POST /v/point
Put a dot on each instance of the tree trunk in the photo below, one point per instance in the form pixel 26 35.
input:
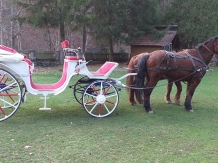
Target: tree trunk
pixel 84 39
pixel 12 28
pixel 62 38
pixel 111 51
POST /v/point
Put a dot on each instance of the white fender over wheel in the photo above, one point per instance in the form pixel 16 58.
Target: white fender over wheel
pixel 100 99
pixel 10 95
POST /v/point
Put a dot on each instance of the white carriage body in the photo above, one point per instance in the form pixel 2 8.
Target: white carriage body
pixel 22 68
pixel 24 71
pixel 16 69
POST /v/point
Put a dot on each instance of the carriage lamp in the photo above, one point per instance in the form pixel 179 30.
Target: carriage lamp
pixel 65 44
pixel 80 55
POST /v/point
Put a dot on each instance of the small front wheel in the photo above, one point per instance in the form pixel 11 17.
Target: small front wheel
pixel 100 99
pixel 79 88
pixel 10 95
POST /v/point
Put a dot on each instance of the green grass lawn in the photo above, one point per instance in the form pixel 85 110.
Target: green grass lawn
pixel 68 134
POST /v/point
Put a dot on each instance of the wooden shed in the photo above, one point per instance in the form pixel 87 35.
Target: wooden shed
pixel 147 43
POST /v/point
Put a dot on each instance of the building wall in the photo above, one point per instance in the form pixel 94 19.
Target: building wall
pixel 137 49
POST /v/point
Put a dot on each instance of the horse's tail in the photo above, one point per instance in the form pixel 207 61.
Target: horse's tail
pixel 142 71
pixel 130 79
pixel 129 82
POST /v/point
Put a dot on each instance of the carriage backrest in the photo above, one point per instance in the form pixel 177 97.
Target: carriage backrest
pixel 105 69
pixel 9 55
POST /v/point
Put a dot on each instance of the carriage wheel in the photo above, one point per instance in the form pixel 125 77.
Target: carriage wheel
pixel 10 95
pixel 79 88
pixel 100 99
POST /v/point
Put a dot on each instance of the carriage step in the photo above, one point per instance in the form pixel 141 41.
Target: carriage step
pixel 44 108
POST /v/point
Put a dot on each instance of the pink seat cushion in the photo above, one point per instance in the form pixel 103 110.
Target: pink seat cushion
pixel 104 68
pixel 51 87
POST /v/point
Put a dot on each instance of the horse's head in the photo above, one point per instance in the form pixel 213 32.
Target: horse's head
pixel 210 46
pixel 215 45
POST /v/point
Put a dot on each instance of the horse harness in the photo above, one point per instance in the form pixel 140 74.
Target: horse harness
pixel 170 55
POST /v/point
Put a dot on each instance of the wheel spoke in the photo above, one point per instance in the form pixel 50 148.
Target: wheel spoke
pixel 2 78
pixel 99 109
pixel 90 102
pixel 79 88
pixel 106 108
pixel 10 94
pixel 105 98
pixel 88 94
pixel 107 90
pixel 111 95
pixel 93 107
pixel 110 102
pixel 94 90
pixel 2 111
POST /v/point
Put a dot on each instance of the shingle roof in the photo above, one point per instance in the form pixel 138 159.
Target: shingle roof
pixel 151 41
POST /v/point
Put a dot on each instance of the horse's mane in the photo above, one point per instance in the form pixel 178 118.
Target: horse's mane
pixel 201 44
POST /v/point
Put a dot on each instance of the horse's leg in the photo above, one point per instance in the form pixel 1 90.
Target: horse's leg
pixel 191 86
pixel 149 86
pixel 178 93
pixel 138 96
pixel 130 81
pixel 131 97
pixel 167 95
pixel 134 94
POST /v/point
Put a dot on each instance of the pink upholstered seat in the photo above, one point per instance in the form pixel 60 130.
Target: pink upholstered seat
pixel 51 87
pixel 105 68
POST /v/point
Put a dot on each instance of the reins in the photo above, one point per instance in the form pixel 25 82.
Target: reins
pixel 208 49
pixel 125 86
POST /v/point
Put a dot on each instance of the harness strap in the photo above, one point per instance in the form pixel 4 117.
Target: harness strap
pixel 191 58
pixel 202 61
pixel 175 56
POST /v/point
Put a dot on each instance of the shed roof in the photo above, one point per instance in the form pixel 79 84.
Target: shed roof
pixel 151 41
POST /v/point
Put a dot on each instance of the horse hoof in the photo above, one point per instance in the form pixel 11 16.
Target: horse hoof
pixel 169 102
pixel 150 112
pixel 133 103
pixel 191 111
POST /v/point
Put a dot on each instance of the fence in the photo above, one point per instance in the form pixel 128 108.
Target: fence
pixel 51 58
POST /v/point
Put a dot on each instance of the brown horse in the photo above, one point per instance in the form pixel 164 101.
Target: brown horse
pixel 131 81
pixel 188 65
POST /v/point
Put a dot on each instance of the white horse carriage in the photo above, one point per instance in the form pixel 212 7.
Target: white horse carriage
pixel 95 91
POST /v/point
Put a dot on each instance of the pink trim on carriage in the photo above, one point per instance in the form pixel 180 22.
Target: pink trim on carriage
pixel 29 62
pixel 104 68
pixel 73 58
pixel 8 49
pixel 51 87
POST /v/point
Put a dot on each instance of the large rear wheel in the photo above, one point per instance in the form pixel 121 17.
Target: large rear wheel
pixel 100 99
pixel 10 95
